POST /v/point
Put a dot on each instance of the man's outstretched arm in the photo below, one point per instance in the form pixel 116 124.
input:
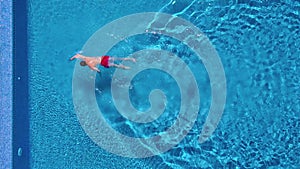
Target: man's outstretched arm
pixel 77 56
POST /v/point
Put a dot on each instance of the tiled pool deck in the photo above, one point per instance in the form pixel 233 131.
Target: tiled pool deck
pixel 6 84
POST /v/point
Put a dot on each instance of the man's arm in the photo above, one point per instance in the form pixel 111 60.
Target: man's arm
pixel 96 69
pixel 77 56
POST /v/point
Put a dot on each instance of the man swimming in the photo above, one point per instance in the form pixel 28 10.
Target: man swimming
pixel 105 61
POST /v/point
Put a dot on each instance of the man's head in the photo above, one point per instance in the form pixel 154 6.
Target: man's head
pixel 83 63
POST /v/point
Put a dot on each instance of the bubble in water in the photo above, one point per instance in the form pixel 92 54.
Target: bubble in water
pixel 20 152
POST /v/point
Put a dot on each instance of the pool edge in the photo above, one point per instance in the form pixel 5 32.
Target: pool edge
pixel 6 84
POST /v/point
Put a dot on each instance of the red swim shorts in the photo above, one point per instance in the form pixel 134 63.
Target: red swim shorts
pixel 105 61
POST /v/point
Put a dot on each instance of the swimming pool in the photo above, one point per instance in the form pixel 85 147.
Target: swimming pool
pixel 256 42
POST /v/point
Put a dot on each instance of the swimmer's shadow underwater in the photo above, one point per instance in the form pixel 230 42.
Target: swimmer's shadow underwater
pixel 103 82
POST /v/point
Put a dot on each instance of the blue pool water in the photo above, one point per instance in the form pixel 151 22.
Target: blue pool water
pixel 257 41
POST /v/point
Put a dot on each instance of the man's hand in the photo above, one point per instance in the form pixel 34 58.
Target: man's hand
pixel 72 58
pixel 96 69
pixel 78 56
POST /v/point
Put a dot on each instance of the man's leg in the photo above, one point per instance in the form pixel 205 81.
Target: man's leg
pixel 119 66
pixel 130 59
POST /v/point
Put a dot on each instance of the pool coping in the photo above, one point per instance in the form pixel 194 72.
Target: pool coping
pixel 6 83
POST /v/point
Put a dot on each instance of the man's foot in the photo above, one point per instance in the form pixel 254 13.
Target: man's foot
pixel 131 59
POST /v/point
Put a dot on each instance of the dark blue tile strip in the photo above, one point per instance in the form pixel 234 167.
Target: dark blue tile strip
pixel 20 82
